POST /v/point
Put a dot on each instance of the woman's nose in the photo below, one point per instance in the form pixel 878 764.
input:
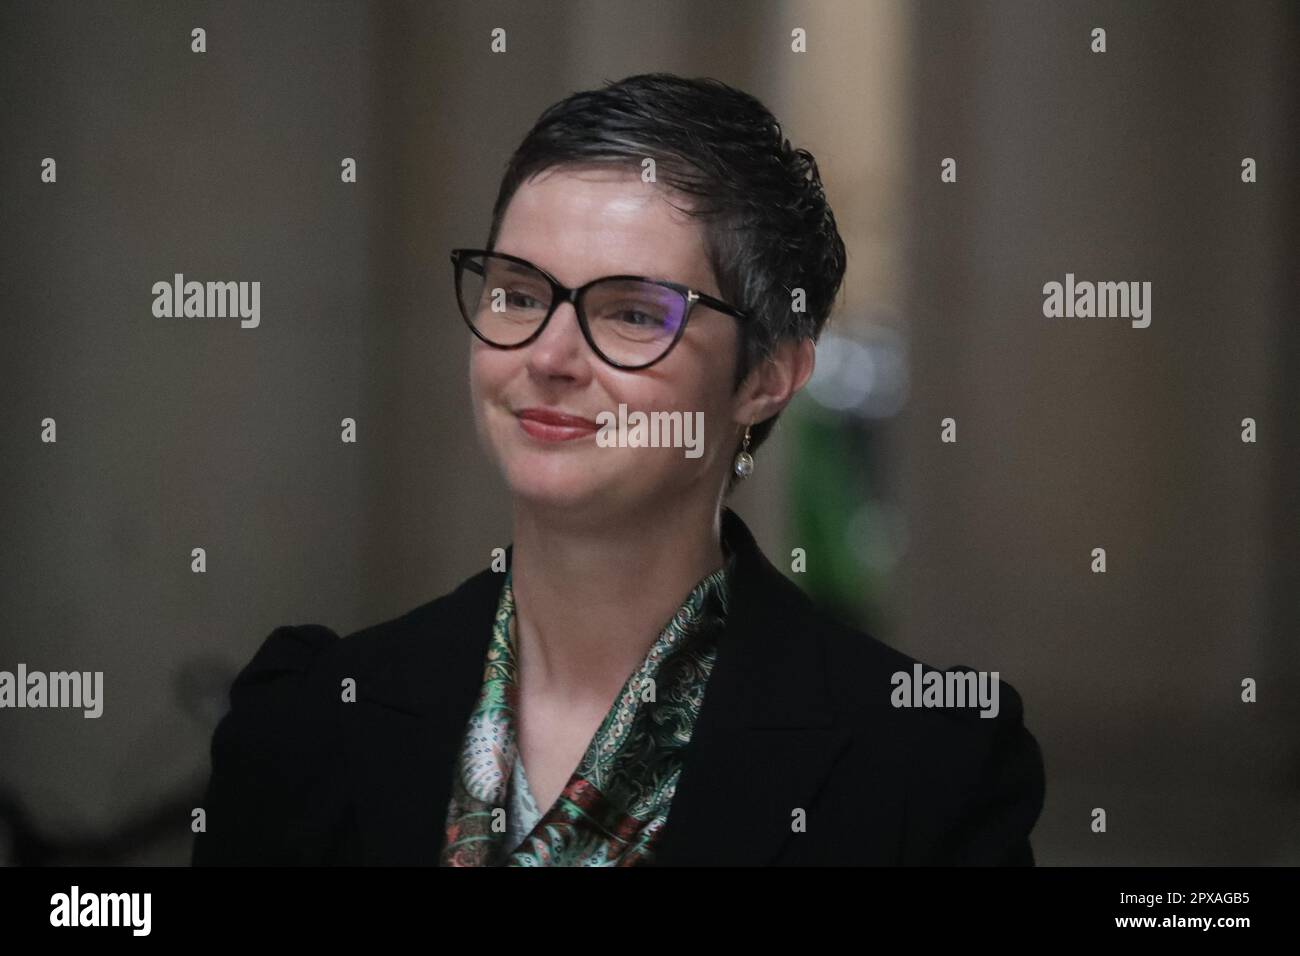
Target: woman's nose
pixel 560 349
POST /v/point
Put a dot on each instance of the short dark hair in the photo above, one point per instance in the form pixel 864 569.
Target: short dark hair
pixel 768 228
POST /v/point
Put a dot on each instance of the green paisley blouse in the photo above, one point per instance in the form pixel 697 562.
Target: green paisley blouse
pixel 615 807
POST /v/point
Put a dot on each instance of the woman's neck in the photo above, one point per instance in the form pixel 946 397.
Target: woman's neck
pixel 590 599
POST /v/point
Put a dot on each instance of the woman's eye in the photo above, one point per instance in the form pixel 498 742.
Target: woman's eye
pixel 638 318
pixel 521 300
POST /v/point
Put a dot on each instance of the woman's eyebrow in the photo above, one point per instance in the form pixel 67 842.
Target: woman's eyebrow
pixel 522 269
pixel 519 267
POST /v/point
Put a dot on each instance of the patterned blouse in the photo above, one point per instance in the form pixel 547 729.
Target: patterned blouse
pixel 615 806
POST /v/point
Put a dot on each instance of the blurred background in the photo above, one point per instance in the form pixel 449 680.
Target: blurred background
pixel 1072 434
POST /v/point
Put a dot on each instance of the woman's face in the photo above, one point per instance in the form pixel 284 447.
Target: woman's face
pixel 579 225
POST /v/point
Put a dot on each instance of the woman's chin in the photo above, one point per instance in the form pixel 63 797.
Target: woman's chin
pixel 554 488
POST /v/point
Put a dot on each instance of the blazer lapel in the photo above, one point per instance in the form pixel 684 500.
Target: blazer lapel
pixel 766 736
pixel 418 683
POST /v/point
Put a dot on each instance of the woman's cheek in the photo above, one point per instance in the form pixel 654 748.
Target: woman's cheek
pixel 480 396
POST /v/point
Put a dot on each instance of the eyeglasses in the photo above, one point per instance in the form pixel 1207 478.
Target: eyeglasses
pixel 630 322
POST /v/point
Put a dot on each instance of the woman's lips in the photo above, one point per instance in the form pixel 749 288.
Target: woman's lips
pixel 546 424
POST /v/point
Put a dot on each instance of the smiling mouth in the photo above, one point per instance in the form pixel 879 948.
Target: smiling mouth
pixel 548 425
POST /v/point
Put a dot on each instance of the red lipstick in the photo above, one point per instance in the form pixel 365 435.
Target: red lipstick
pixel 549 424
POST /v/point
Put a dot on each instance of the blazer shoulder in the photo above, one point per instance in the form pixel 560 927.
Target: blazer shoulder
pixel 978 800
pixel 276 790
pixel 291 651
pixel 971 771
pixel 279 790
pixel 867 676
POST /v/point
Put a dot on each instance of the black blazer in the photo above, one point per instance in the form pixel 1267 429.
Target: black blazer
pixel 796 714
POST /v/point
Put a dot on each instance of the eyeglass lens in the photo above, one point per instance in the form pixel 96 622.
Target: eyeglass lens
pixel 631 322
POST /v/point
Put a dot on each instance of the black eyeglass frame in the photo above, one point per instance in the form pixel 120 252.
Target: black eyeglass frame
pixel 562 293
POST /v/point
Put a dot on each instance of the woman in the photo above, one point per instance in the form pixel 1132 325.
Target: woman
pixel 634 683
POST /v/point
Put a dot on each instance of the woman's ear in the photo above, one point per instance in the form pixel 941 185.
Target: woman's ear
pixel 771 383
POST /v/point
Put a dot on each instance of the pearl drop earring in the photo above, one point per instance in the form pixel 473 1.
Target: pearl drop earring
pixel 744 464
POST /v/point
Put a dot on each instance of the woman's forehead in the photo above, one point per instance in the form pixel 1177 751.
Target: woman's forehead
pixel 583 224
